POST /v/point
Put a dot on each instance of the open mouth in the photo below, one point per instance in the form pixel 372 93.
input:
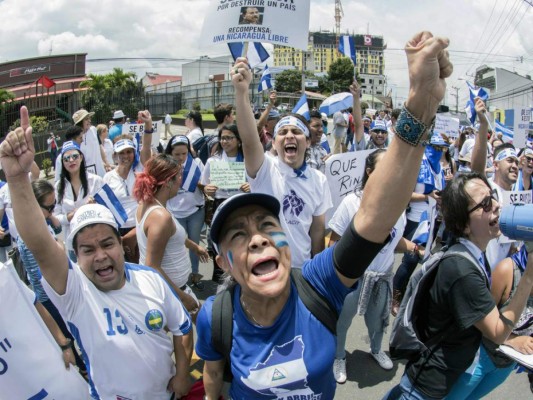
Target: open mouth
pixel 265 267
pixel 104 272
pixel 290 149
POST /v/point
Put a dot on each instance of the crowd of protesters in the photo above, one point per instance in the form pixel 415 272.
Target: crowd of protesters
pixel 265 220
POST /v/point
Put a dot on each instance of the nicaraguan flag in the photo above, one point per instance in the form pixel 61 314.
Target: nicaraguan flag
pixel 470 104
pixel 191 175
pixel 302 108
pixel 347 48
pixel 266 80
pixel 107 198
pixel 507 134
pixel 421 234
pixel 324 143
pixel 470 112
pixel 256 52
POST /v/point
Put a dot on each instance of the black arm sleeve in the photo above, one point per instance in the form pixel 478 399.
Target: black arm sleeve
pixel 353 254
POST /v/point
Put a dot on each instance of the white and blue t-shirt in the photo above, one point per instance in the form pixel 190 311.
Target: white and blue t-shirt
pixel 293 357
pixel 121 333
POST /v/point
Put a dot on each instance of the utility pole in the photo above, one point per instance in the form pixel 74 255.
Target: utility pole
pixel 456 95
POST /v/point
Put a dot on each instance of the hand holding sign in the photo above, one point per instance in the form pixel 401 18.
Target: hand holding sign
pixel 17 150
pixel 241 75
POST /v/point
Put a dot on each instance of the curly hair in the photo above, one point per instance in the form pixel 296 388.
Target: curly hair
pixel 158 171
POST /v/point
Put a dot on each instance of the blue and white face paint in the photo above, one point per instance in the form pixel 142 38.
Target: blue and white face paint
pixel 290 120
pixel 280 239
pixel 229 256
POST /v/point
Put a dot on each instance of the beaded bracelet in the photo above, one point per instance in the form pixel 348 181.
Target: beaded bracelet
pixel 149 130
pixel 411 130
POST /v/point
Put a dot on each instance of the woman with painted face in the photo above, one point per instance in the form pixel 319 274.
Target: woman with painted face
pixel 188 205
pixel 278 346
pixel 75 187
pixel 228 150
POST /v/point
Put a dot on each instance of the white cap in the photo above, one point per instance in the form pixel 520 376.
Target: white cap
pixel 123 144
pixel 90 214
pixel 118 114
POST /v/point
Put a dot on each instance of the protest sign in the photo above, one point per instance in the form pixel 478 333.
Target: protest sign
pixel 344 173
pixel 134 129
pixel 281 22
pixel 522 118
pixel 31 362
pixel 444 124
pixel 227 174
pixel 516 196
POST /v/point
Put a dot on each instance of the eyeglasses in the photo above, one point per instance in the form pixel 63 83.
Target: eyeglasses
pixel 485 204
pixel 227 138
pixel 49 208
pixel 71 157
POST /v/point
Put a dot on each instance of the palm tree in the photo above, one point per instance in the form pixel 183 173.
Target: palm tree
pixel 120 79
pixel 98 83
pixel 6 95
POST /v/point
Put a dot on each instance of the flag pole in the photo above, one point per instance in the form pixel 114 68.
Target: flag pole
pixel 245 49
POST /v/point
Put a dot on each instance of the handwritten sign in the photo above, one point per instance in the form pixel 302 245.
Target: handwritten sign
pixel 227 174
pixel 522 119
pixel 31 363
pixel 344 173
pixel 282 22
pixel 447 125
pixel 134 129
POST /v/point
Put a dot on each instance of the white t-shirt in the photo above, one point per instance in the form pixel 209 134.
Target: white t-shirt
pixel 68 204
pixel 194 135
pixel 186 203
pixel 108 150
pixel 498 248
pixel 342 218
pixel 301 200
pixel 90 147
pixel 176 261
pixel 123 189
pixel 121 332
pixel 5 204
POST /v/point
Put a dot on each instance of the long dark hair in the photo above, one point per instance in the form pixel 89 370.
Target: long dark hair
pixel 65 175
pixel 233 129
pixel 170 146
pixel 370 164
pixel 41 189
pixel 197 118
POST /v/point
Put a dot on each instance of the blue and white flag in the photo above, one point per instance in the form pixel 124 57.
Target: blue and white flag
pixel 266 80
pixel 107 198
pixel 302 108
pixel 470 112
pixel 191 175
pixel 347 48
pixel 507 134
pixel 421 234
pixel 470 104
pixel 256 52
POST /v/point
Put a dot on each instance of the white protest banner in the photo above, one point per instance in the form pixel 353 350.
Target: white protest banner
pixel 522 118
pixel 282 22
pixel 227 174
pixel 344 173
pixel 516 196
pixel 31 363
pixel 444 124
pixel 134 129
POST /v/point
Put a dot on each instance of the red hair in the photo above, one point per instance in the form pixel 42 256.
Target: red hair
pixel 158 171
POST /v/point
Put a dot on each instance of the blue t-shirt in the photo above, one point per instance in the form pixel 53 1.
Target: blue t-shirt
pixel 293 357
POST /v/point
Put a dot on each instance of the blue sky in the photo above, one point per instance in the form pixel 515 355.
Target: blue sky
pixel 171 28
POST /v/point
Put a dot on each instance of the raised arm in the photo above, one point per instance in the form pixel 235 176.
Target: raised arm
pixel 146 150
pixel 251 145
pixel 479 152
pixel 389 187
pixel 17 153
pixel 359 131
pixel 264 115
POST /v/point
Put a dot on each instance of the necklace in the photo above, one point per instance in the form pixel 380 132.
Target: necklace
pixel 247 311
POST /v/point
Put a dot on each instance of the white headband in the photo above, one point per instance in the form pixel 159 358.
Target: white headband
pixel 502 155
pixel 179 139
pixel 290 120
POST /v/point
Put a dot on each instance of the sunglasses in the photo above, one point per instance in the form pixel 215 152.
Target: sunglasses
pixel 529 160
pixel 485 204
pixel 49 208
pixel 72 157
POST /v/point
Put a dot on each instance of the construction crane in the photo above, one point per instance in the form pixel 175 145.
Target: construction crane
pixel 339 13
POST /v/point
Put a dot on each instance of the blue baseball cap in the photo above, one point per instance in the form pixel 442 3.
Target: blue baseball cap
pixel 70 145
pixel 438 140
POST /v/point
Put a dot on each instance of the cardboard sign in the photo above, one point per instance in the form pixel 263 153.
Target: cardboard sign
pixel 227 174
pixel 282 22
pixel 134 129
pixel 31 363
pixel 522 118
pixel 344 173
pixel 447 125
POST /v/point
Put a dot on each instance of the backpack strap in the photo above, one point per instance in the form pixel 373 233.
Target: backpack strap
pixel 222 327
pixel 317 304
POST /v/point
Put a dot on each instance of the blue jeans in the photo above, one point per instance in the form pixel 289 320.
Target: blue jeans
pixel 405 391
pixel 481 381
pixel 373 318
pixel 193 226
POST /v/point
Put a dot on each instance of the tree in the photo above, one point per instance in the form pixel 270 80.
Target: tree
pixel 289 81
pixel 6 95
pixel 341 74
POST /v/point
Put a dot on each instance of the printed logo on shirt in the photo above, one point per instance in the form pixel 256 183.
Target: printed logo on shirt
pixel 122 398
pixel 154 320
pixel 292 205
pixel 283 374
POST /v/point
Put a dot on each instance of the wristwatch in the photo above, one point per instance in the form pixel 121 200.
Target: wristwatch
pixel 66 346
